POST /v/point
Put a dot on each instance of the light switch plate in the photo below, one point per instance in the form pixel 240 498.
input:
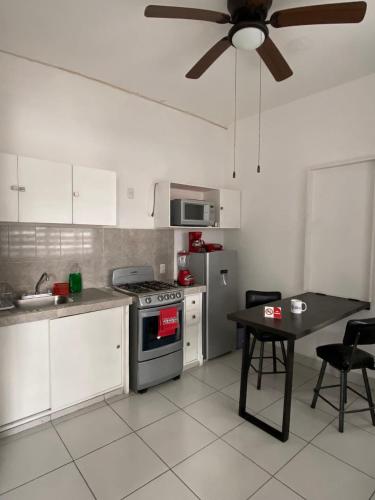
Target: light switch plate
pixel 162 268
pixel 130 192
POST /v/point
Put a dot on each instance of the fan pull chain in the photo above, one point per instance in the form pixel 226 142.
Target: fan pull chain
pixel 259 113
pixel 235 116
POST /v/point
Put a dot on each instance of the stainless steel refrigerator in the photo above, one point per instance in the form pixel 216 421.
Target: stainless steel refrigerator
pixel 218 271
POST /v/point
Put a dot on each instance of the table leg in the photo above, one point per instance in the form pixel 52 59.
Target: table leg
pixel 244 370
pixel 282 435
pixel 288 390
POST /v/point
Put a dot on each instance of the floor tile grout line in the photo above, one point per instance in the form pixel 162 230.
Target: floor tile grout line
pixel 79 412
pixel 205 426
pixel 34 479
pixel 218 438
pixel 186 458
pixel 260 487
pixel 342 461
pixel 278 480
pixel 187 486
pixel 312 444
pixel 200 399
pixel 306 444
pixel 102 446
pixel 153 451
pixel 289 487
pixel 143 485
pixel 212 387
pixel 76 466
pixel 248 458
pixel 147 425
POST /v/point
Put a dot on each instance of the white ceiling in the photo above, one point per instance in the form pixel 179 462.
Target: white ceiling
pixel 112 41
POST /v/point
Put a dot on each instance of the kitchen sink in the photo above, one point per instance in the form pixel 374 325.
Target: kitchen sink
pixel 43 300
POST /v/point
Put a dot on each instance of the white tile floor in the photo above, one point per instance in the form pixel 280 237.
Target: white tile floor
pixel 184 440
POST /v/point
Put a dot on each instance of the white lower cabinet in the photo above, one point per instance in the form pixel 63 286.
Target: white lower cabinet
pixel 193 329
pixel 24 371
pixel 86 356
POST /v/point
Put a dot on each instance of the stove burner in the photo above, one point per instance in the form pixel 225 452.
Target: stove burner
pixel 147 286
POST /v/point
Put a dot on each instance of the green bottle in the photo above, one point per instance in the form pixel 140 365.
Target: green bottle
pixel 75 280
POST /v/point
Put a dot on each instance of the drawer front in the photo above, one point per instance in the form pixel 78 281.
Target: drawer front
pixel 193 302
pixel 193 317
pixel 191 344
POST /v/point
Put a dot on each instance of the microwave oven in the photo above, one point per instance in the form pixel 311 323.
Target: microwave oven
pixel 191 213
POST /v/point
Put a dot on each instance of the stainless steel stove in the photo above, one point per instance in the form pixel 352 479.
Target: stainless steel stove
pixel 148 293
pixel 153 360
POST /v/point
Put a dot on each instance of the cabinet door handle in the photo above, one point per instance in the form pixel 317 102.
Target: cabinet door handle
pixel 193 301
pixel 118 347
pixel 188 344
pixel 14 188
pixel 76 194
pixel 22 189
pixel 221 208
pixel 194 316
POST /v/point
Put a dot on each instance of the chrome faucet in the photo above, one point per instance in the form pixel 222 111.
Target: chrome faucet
pixel 43 278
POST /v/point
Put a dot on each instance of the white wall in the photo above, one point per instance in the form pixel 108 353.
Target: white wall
pixel 333 126
pixel 46 113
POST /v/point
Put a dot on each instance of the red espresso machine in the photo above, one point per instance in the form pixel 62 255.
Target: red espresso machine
pixel 196 244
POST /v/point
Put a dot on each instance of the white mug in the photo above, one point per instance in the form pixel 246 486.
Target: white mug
pixel 297 306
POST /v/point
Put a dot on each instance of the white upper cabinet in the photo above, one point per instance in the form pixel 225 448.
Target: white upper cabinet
pixel 45 191
pixel 225 204
pixel 230 208
pixel 94 196
pixel 8 188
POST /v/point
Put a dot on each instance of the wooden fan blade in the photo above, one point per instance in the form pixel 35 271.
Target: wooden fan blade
pixel 209 58
pixel 166 12
pixel 333 13
pixel 274 60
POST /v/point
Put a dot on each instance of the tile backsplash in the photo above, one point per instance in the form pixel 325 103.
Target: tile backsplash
pixel 27 250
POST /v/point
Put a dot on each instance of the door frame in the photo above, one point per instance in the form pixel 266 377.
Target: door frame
pixel 308 219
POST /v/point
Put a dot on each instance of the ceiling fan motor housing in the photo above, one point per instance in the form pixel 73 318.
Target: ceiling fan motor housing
pixel 248 10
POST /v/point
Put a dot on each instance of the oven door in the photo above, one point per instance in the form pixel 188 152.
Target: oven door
pixel 149 346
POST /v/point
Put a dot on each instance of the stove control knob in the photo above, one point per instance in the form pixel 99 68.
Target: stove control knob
pixel 148 300
pixel 172 296
pixel 166 296
pixel 178 295
pixel 160 298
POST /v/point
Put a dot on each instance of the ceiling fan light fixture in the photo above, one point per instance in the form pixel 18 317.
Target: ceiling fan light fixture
pixel 248 37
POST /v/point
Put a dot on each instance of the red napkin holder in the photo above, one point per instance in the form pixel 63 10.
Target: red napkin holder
pixel 273 312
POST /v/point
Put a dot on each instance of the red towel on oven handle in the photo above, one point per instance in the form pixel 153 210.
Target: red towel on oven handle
pixel 168 322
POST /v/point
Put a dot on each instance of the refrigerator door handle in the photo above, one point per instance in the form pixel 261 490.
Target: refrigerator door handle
pixel 224 275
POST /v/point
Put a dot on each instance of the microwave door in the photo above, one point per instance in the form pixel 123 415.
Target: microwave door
pixel 195 213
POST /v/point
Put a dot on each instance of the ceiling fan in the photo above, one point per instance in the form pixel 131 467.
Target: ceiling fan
pixel 250 30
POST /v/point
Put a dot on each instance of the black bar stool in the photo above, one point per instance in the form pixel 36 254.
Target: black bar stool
pixel 346 357
pixel 257 298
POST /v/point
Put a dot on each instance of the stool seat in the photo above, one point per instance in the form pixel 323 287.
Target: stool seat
pixel 343 357
pixel 266 336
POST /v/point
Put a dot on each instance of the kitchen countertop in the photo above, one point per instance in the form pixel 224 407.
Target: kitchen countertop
pixel 89 300
pixel 190 290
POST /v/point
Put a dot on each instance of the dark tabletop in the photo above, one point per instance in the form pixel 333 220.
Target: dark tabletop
pixel 322 310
